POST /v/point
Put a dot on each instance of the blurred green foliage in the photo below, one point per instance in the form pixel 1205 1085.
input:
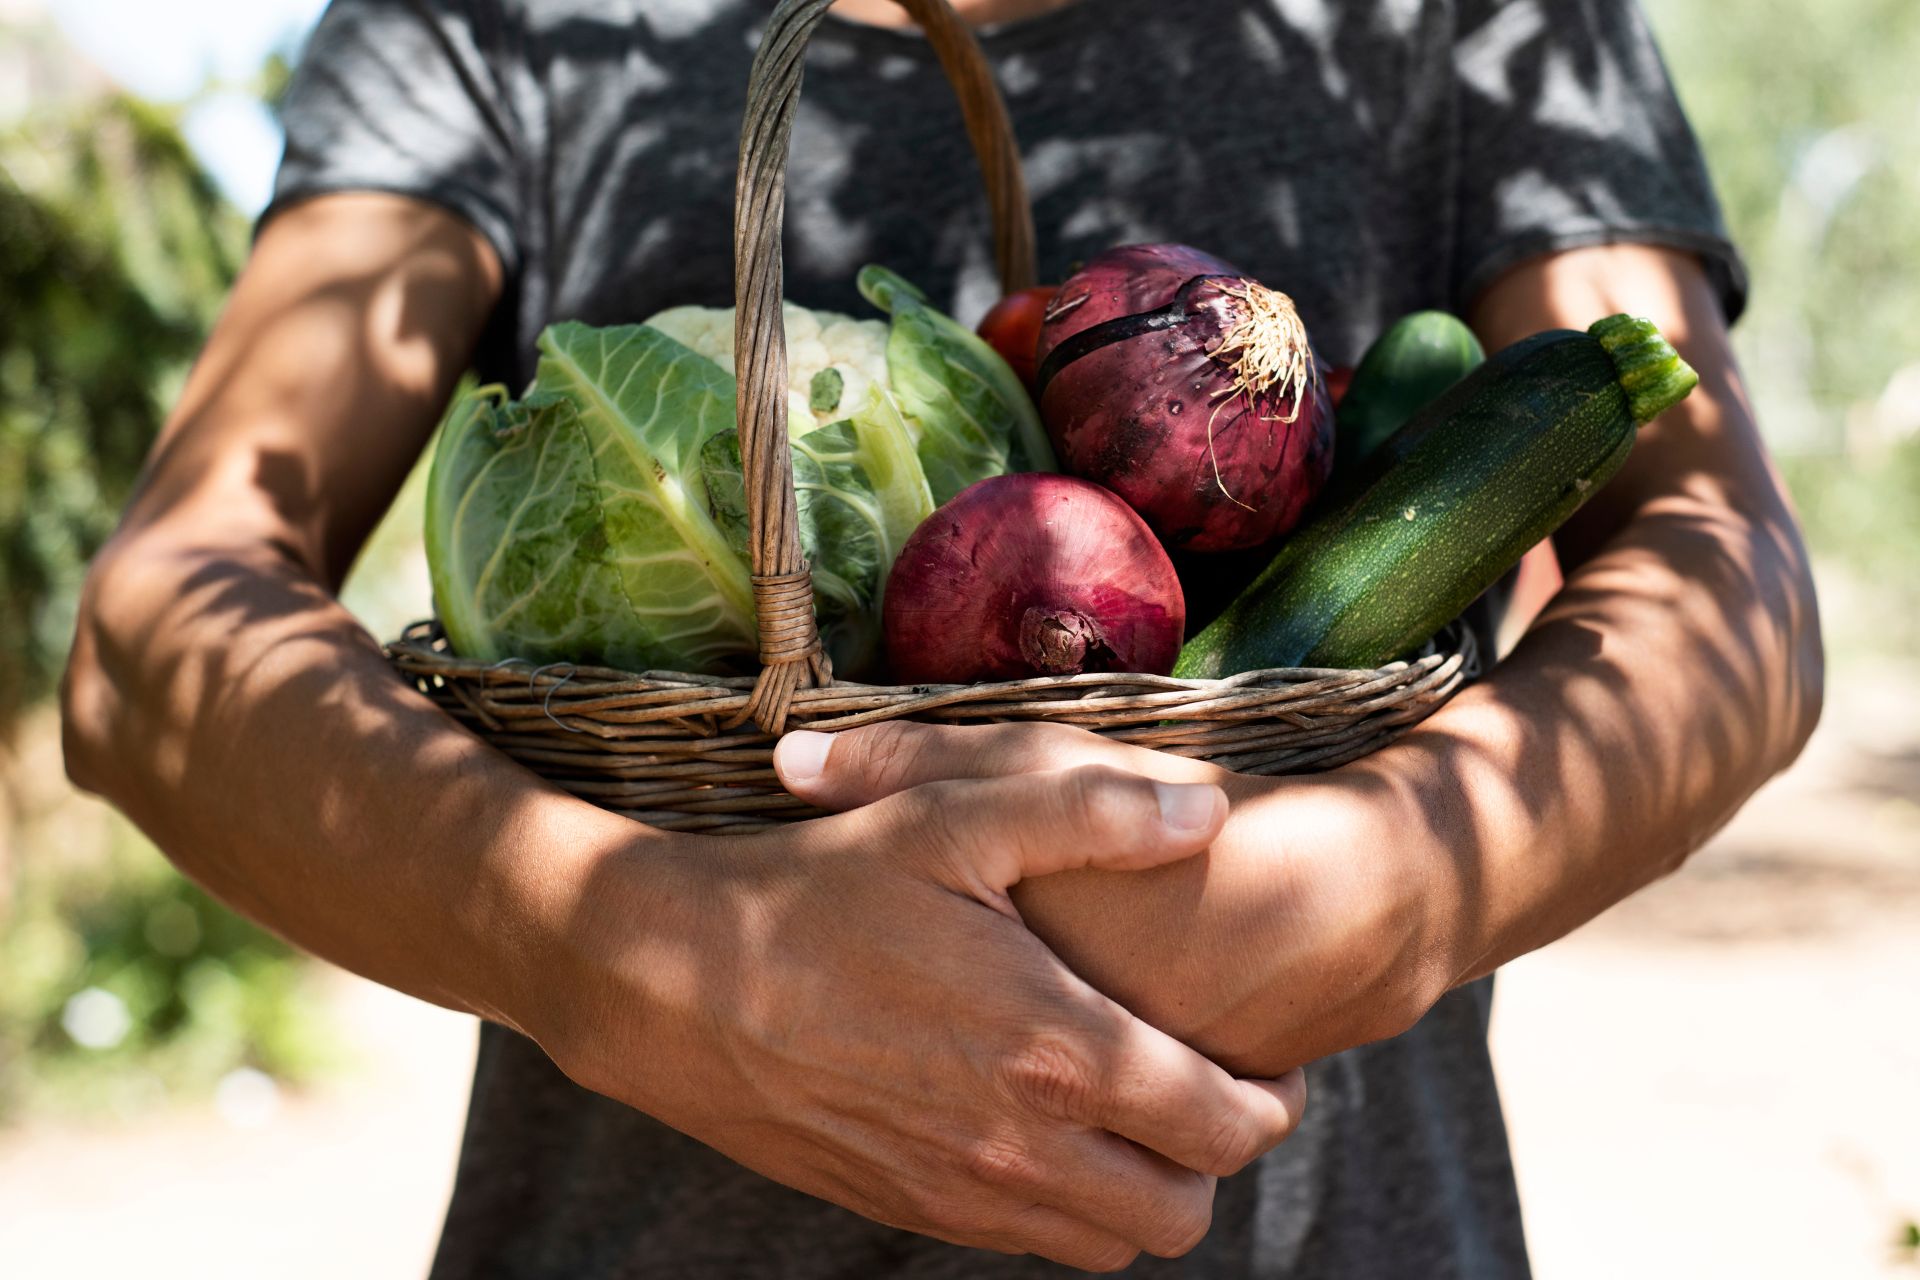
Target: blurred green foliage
pixel 1809 111
pixel 126 985
pixel 115 250
pixel 123 984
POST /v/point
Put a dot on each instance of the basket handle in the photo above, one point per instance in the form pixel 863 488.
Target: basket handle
pixel 791 657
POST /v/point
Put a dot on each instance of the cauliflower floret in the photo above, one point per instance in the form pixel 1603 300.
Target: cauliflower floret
pixel 801 323
pixel 799 413
pixel 707 330
pixel 816 342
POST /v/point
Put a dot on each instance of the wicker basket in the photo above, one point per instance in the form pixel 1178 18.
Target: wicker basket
pixel 694 753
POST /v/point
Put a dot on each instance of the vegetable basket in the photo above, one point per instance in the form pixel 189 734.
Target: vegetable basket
pixel 694 752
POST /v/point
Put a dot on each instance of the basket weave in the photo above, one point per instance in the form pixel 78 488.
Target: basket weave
pixel 694 753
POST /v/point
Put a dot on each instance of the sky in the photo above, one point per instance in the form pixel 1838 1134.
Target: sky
pixel 168 50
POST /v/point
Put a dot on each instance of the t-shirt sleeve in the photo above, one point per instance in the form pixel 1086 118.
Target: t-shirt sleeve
pixel 399 96
pixel 1571 135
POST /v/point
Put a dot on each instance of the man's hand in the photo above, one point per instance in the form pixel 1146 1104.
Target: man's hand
pixel 853 1007
pixel 1323 881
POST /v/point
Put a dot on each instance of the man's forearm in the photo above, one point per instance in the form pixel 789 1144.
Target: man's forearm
pixel 219 694
pixel 1677 670
pixel 252 728
pixel 1616 739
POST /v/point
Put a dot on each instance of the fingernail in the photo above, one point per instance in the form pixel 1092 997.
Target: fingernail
pixel 1187 806
pixel 802 755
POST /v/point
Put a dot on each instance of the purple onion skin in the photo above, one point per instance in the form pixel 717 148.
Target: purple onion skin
pixel 1031 575
pixel 1134 415
pixel 1124 282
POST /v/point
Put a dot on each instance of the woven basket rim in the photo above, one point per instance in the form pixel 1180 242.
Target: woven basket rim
pixel 669 748
pixel 424 641
pixel 691 699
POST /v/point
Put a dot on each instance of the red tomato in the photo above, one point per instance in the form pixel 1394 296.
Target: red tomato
pixel 1339 378
pixel 1013 328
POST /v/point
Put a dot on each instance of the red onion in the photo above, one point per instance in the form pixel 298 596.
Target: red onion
pixel 1031 575
pixel 1190 389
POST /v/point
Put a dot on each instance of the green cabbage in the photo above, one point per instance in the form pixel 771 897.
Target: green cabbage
pixel 601 517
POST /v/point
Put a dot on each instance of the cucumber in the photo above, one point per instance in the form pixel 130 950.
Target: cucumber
pixel 1459 493
pixel 1407 367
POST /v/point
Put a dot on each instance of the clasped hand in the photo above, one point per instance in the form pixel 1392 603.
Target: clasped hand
pixel 1327 912
pixel 854 1006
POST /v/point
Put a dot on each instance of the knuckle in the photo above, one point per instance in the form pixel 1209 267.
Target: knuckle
pixel 1001 1162
pixel 1233 1142
pixel 1102 799
pixel 1180 1231
pixel 1108 1258
pixel 1053 1077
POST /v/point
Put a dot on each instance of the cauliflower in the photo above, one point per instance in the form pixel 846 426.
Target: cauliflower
pixel 832 360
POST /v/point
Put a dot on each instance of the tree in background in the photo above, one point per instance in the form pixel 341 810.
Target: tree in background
pixel 115 252
pixel 125 985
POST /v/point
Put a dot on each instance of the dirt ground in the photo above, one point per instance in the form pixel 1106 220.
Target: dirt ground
pixel 1720 1077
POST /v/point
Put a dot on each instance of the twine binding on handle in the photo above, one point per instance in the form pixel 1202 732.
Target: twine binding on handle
pixel 789 649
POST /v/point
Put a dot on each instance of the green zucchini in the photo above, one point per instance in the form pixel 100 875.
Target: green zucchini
pixel 1407 367
pixel 1455 499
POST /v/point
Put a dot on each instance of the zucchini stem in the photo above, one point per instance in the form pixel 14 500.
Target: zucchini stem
pixel 1651 372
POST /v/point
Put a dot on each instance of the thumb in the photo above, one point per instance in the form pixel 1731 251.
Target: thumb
pixel 991 833
pixel 852 767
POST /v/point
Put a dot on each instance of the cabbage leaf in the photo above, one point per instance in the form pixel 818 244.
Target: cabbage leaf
pixel 572 525
pixel 971 416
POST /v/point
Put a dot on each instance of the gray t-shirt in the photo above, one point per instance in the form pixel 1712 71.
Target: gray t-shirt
pixel 1370 157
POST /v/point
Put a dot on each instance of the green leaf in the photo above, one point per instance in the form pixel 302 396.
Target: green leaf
pixel 883 449
pixel 723 474
pixel 666 397
pixel 572 525
pixel 824 391
pixel 971 415
pixel 845 538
